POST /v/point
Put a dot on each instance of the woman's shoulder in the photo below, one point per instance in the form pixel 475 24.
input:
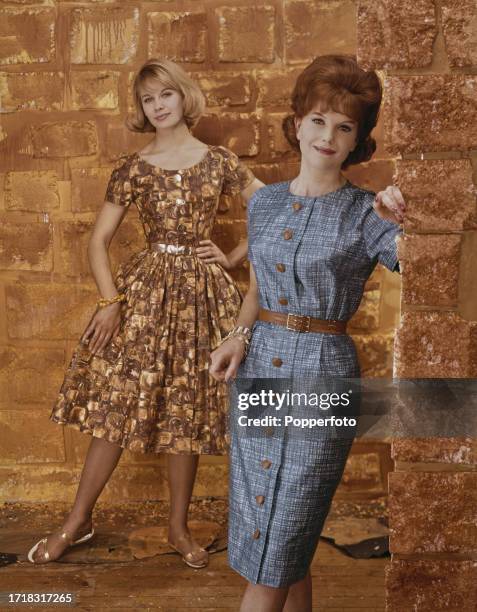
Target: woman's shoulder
pixel 124 163
pixel 362 197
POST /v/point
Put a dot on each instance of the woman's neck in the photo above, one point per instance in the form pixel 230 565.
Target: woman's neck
pixel 314 182
pixel 171 139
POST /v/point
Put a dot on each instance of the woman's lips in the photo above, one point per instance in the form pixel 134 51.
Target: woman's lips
pixel 325 151
pixel 161 117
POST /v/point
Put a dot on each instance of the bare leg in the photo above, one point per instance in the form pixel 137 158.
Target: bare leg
pixel 261 598
pixel 181 474
pixel 300 596
pixel 101 459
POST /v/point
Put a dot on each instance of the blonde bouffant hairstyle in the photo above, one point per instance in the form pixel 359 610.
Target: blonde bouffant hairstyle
pixel 336 82
pixel 171 75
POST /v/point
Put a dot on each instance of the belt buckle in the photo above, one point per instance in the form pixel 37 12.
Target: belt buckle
pixel 299 323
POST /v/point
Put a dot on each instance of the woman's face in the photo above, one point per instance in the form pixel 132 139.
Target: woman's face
pixel 162 105
pixel 326 137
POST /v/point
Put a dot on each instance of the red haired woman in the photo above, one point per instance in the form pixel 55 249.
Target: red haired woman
pixel 313 243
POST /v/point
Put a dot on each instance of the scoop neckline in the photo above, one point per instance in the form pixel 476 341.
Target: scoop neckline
pixel 347 183
pixel 161 169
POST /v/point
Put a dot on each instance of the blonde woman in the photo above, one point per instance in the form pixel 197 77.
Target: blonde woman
pixel 139 377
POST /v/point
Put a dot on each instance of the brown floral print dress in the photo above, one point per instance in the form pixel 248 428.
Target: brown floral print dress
pixel 150 390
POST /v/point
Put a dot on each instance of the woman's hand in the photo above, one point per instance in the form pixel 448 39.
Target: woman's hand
pixel 389 204
pixel 226 359
pixel 210 253
pixel 103 326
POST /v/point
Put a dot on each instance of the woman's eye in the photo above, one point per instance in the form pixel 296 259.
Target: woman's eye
pixel 145 100
pixel 346 128
pixel 318 120
pixel 166 94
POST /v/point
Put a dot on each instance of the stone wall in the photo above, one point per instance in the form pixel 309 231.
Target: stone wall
pixel 65 72
pixel 430 122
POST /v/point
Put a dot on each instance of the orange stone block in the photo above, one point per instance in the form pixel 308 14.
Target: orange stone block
pixel 373 175
pixel 430 267
pixel 32 191
pixel 450 527
pixel 65 139
pixel 436 345
pixel 103 35
pixel 94 90
pixel 225 89
pixel 31 91
pixel 42 368
pixel 459 28
pixel 25 246
pixel 436 450
pixel 277 143
pixel 431 585
pixel 450 207
pixel 48 311
pixel 386 29
pixel 180 37
pixel 88 188
pixel 27 35
pixel 237 131
pixel 28 437
pixel 430 113
pixel 318 27
pixel 375 354
pixel 246 33
pixel 275 87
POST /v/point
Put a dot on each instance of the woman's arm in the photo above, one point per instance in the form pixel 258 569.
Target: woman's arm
pixel 211 253
pixel 226 359
pixel 105 322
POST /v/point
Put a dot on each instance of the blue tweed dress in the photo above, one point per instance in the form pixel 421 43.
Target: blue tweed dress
pixel 311 256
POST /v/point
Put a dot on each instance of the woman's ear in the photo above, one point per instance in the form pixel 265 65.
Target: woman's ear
pixel 297 121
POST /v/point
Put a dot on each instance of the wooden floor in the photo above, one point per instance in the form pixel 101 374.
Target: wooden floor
pixel 103 577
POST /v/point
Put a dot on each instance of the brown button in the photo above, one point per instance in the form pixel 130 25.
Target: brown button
pixel 280 267
pixel 297 206
pixel 265 463
pixel 256 534
pixel 287 234
pixel 277 362
pixel 269 431
pixel 283 301
pixel 260 499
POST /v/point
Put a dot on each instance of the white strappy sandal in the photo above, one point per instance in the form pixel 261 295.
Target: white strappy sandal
pixel 65 536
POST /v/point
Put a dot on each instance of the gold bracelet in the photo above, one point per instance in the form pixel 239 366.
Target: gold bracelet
pixel 104 302
pixel 244 333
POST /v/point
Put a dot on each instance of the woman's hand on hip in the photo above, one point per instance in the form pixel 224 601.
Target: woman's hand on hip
pixel 390 205
pixel 209 252
pixel 226 359
pixel 103 326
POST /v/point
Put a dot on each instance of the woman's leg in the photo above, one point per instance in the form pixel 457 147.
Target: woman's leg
pixel 299 596
pixel 101 459
pixel 261 598
pixel 181 475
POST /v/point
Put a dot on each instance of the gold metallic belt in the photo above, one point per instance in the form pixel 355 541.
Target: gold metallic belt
pixel 171 248
pixel 301 323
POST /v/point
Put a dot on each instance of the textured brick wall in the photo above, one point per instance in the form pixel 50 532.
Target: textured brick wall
pixel 65 71
pixel 428 50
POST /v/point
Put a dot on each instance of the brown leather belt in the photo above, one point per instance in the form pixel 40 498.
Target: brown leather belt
pixel 301 323
pixel 173 249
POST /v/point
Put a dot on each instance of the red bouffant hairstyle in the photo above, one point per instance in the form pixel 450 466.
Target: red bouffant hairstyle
pixel 337 83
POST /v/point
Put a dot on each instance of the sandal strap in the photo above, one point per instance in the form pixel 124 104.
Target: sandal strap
pixel 67 536
pixel 46 554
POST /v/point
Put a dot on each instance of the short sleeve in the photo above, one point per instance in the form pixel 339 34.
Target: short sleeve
pixel 381 238
pixel 250 223
pixel 119 189
pixel 236 174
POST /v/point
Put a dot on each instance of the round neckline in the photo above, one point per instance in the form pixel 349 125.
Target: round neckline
pixel 161 169
pixel 347 183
